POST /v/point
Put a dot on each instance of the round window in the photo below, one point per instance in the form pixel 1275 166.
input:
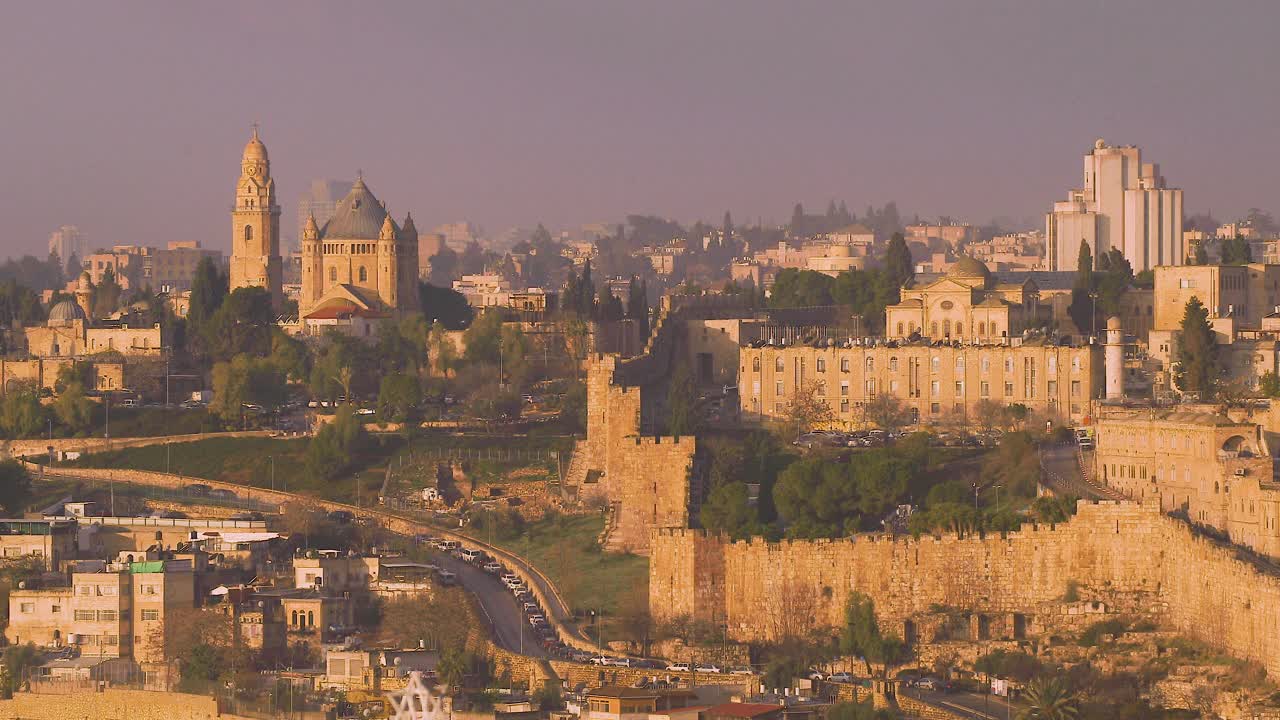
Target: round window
pixel 947 304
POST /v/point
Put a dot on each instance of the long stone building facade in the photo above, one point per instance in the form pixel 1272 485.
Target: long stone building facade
pixel 1216 470
pixel 1111 558
pixel 942 383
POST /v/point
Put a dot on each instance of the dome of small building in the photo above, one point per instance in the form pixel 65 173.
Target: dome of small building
pixel 255 150
pixel 86 283
pixel 358 216
pixel 1099 144
pixel 1113 323
pixel 65 311
pixel 968 267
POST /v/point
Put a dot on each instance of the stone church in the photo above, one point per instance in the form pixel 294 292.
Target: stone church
pixel 357 270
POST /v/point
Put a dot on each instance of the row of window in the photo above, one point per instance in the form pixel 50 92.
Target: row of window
pixel 935 364
pixel 935 389
pixel 984 330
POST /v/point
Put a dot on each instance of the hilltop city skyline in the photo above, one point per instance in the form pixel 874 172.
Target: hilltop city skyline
pixel 549 113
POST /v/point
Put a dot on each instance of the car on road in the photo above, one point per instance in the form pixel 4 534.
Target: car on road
pixel 579 656
pixel 741 670
pixel 447 578
pixel 536 619
pixel 471 555
pixel 199 489
pixel 599 660
pixel 708 668
pixel 841 677
pixel 493 568
pixel 619 662
pixel 531 607
pixel 817 675
pixel 933 684
pixel 342 516
pixel 678 667
pixel 448 545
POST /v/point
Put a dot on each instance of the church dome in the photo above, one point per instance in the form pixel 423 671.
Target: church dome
pixel 358 216
pixel 65 311
pixel 967 267
pixel 255 151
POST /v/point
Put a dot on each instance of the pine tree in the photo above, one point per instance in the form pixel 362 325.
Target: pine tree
pixel 726 236
pixel 897 261
pixel 1081 308
pixel 1198 367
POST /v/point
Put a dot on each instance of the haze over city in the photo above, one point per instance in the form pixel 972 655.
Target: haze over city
pixel 552 360
pixel 125 119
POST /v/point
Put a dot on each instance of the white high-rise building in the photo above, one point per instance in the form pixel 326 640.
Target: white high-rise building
pixel 67 241
pixel 1124 204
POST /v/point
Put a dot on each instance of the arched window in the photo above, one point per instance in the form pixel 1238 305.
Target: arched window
pixel 982 328
pixel 933 329
pixel 248 232
pixel 364 275
pixel 311 619
pixel 960 329
pixel 755 364
pixel 899 328
pixel 293 619
pixel 946 328
pixel 333 274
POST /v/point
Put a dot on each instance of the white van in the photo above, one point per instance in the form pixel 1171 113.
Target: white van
pixel 472 555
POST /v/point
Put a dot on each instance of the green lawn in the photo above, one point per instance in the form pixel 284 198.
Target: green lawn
pixel 564 548
pixel 249 461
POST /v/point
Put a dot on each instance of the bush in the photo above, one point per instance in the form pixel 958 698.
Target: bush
pixel 1100 631
pixel 1016 665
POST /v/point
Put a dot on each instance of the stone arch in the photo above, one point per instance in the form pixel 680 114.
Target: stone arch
pixel 1238 444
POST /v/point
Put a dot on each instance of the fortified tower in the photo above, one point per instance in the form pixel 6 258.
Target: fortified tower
pixel 255 224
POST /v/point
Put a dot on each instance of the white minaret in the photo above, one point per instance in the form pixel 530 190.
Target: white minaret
pixel 1113 359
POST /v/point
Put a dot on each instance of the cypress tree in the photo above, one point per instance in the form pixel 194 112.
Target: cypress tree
pixel 1198 368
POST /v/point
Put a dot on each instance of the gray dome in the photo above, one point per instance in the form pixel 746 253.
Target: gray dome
pixel 65 311
pixel 359 216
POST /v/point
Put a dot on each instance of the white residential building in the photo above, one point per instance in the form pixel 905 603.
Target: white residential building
pixel 1123 204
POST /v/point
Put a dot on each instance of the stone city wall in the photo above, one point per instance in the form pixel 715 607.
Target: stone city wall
pixel 1111 558
pixel 40 446
pixel 112 704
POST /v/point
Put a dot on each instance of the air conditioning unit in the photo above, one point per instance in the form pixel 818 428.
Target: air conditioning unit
pixel 1240 472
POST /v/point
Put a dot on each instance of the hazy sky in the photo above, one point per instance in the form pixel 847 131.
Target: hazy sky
pixel 128 118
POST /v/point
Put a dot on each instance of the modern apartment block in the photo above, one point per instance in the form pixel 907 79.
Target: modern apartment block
pixel 1123 204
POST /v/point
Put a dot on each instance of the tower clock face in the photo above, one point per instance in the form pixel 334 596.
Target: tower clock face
pixel 251 171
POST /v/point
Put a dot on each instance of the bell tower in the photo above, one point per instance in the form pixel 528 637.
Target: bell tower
pixel 255 224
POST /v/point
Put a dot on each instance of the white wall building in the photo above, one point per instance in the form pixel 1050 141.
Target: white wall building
pixel 1124 204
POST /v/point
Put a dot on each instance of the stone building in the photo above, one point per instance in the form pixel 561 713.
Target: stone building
pixel 1215 470
pixel 255 224
pixel 1236 296
pixel 69 332
pixel 361 262
pixel 938 384
pixel 966 304
pixel 107 610
pixel 48 541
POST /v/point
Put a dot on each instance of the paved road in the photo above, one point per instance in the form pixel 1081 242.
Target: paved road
pixel 511 630
pixel 1061 473
pixel 971 705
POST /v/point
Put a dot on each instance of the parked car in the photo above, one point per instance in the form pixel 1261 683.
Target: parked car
pixel 342 516
pixel 678 667
pixel 492 568
pixel 599 660
pixel 841 677
pixel 708 668
pixel 741 670
pixel 929 683
pixel 817 675
pixel 197 489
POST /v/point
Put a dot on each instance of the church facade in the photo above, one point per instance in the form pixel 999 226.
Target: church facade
pixel 360 263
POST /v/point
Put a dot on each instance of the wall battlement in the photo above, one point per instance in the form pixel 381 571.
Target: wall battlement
pixel 1112 557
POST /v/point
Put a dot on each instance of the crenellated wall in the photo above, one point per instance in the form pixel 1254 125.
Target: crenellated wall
pixel 1111 558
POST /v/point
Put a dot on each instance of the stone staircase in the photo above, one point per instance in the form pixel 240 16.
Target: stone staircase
pixel 576 474
pixel 609 539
